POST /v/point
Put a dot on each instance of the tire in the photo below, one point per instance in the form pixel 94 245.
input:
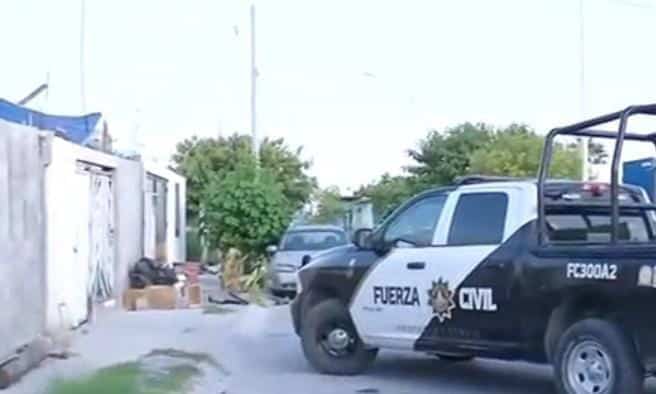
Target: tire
pixel 324 318
pixel 277 293
pixel 291 294
pixel 607 359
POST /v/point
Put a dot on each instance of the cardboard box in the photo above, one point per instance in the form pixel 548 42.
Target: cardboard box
pixel 194 295
pixel 134 299
pixel 161 297
pixel 192 270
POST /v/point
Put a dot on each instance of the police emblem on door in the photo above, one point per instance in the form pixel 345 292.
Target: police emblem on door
pixel 440 298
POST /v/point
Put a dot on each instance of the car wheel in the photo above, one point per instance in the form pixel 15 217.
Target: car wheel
pixel 330 342
pixel 595 356
pixel 290 294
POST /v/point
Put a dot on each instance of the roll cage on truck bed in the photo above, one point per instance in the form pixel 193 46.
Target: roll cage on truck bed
pixel 454 288
pixel 587 129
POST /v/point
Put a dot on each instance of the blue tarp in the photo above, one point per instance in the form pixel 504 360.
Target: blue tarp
pixel 75 128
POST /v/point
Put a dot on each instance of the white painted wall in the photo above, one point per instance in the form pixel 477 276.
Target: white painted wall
pixel 129 206
pixel 176 243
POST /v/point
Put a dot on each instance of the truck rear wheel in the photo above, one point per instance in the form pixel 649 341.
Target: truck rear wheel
pixel 595 357
pixel 330 342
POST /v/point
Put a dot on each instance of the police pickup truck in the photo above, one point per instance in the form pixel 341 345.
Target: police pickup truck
pixel 545 271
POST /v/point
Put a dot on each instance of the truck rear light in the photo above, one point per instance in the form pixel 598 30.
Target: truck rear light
pixel 595 188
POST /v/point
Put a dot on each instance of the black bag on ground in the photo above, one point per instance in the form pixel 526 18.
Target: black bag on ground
pixel 138 281
pixel 147 272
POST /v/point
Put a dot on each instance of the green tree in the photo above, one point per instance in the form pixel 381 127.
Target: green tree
pixel 472 149
pixel 388 192
pixel 596 152
pixel 516 151
pixel 443 156
pixel 203 160
pixel 245 209
pixel 330 207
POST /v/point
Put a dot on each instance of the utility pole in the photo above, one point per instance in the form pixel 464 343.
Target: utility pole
pixel 256 144
pixel 83 14
pixel 583 141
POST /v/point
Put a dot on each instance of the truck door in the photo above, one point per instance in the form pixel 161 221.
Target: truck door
pixel 446 280
pixel 471 279
pixel 389 307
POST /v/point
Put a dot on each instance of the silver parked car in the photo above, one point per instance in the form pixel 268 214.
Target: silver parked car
pixel 296 248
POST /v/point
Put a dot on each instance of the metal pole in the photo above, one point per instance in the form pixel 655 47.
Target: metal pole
pixel 583 140
pixel 47 94
pixel 83 99
pixel 256 148
pixel 33 94
pixel 543 172
pixel 614 176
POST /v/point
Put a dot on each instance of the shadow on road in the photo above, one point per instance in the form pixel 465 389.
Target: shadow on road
pixel 483 376
pixel 393 372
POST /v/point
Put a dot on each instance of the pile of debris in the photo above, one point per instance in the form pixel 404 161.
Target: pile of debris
pixel 146 272
pixel 152 286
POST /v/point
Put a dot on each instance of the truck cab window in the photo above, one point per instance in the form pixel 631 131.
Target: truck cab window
pixel 479 219
pixel 416 224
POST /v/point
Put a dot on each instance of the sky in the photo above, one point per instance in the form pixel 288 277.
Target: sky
pixel 356 83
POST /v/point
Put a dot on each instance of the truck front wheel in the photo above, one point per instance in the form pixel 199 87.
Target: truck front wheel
pixel 595 356
pixel 330 342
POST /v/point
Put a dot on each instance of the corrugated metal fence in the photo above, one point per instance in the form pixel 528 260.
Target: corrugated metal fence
pixel 22 249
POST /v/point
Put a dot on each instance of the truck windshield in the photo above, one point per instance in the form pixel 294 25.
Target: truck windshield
pixel 312 240
pixel 595 227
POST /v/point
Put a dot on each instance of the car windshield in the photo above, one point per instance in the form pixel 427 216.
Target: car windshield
pixel 312 240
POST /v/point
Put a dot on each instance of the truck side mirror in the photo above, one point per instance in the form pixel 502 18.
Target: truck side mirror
pixel 271 249
pixel 361 237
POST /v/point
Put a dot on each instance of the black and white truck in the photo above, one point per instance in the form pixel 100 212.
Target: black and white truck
pixel 546 271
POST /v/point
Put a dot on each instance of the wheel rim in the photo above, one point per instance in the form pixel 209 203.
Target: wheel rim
pixel 337 340
pixel 589 369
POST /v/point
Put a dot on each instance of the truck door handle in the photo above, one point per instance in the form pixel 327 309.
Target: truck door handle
pixel 416 265
pixel 496 264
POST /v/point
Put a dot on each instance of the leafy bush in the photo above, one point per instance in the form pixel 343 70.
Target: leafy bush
pixel 246 210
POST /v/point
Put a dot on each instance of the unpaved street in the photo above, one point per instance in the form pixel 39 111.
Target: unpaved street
pixel 258 353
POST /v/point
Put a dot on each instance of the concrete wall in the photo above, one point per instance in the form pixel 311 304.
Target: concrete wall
pixel 43 279
pixel 67 201
pixel 176 241
pixel 22 257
